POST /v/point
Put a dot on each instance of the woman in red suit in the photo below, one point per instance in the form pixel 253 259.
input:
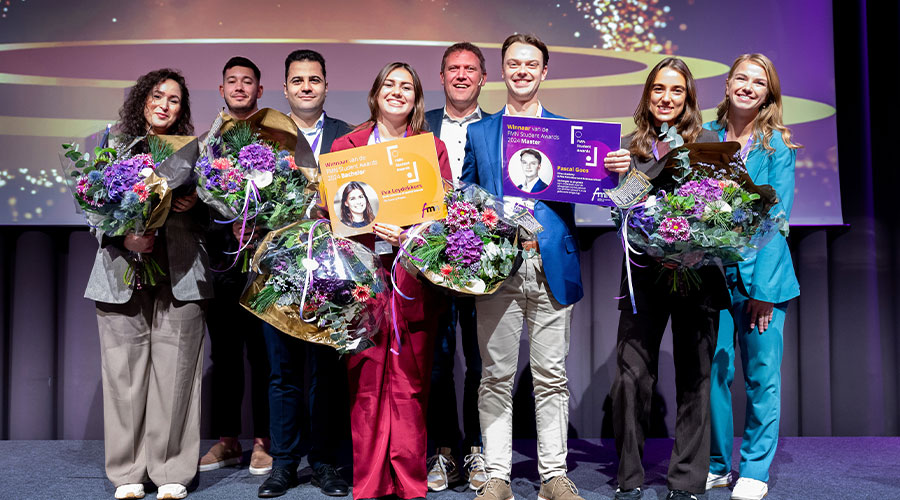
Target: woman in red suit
pixel 388 391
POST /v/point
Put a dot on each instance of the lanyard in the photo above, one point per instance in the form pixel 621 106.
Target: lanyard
pixel 746 150
pixel 377 136
pixel 320 128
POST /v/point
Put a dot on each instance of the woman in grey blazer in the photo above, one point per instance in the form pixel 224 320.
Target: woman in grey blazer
pixel 151 337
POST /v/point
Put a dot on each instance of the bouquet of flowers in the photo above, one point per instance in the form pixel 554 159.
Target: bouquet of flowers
pixel 472 251
pixel 121 192
pixel 247 171
pixel 705 210
pixel 318 287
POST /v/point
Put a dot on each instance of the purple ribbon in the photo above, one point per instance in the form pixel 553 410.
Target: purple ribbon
pixel 309 272
pixel 250 189
pixel 627 248
pixel 401 251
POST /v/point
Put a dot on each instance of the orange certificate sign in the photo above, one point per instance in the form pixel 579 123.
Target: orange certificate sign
pixel 396 182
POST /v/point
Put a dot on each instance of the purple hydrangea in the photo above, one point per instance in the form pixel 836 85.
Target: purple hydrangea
pixel 704 192
pixel 640 220
pixel 464 249
pixel 675 229
pixel 257 157
pixel 120 177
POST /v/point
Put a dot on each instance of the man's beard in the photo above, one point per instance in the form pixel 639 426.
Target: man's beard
pixel 251 104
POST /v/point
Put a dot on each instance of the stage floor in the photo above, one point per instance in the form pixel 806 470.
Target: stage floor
pixel 804 468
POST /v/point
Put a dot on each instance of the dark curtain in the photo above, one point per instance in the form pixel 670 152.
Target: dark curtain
pixel 840 370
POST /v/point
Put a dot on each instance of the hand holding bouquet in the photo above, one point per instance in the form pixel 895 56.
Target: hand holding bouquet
pixel 318 287
pixel 248 171
pixel 121 193
pixel 472 251
pixel 705 210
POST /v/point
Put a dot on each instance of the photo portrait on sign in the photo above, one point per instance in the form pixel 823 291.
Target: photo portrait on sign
pixel 530 170
pixel 357 204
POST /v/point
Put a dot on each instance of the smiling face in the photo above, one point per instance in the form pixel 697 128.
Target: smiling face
pixel 306 87
pixel 357 203
pixel 397 95
pixel 667 96
pixel 462 79
pixel 163 106
pixel 748 88
pixel 241 90
pixel 530 166
pixel 523 71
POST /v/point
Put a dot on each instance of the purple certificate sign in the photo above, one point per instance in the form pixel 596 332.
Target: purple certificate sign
pixel 558 160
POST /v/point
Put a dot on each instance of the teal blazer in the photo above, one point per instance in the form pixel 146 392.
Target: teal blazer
pixel 769 276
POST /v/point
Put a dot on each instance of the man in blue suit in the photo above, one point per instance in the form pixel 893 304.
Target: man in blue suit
pixel 541 292
pixel 531 167
pixel 462 76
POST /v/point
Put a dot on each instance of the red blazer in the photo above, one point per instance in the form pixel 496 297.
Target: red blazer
pixel 425 300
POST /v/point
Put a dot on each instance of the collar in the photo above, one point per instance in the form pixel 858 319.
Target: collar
pixel 471 117
pixel 540 110
pixel 320 124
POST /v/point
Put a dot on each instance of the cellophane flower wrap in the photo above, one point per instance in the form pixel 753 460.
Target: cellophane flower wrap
pixel 704 209
pixel 472 251
pixel 120 191
pixel 319 287
pixel 257 173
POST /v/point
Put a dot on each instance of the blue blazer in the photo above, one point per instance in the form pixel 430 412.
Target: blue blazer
pixel 769 275
pixel 558 245
pixel 434 119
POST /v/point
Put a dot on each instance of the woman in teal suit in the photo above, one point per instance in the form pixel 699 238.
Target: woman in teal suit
pixel 760 287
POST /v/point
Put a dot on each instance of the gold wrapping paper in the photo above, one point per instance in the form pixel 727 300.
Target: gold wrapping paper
pixel 158 185
pixel 285 318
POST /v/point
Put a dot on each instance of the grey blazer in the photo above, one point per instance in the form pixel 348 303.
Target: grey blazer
pixel 185 250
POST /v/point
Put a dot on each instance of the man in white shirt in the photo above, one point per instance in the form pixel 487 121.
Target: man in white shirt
pixel 531 167
pixel 305 89
pixel 462 76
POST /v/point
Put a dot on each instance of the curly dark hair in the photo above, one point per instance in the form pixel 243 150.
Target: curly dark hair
pixel 131 116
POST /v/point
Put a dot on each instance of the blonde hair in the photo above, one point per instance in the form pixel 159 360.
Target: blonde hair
pixel 769 116
pixel 689 123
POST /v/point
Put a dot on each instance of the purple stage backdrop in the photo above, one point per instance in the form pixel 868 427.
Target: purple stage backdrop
pixel 66 66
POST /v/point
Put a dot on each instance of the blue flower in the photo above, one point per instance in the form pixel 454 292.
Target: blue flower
pixel 436 229
pixel 739 215
pixel 94 176
pixel 130 198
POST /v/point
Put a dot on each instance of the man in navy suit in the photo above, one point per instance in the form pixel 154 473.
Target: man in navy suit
pixel 541 293
pixel 305 88
pixel 531 167
pixel 462 76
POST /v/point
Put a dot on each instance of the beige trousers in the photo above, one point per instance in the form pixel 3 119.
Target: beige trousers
pixel 151 352
pixel 525 297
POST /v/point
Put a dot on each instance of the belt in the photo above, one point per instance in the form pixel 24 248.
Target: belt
pixel 531 245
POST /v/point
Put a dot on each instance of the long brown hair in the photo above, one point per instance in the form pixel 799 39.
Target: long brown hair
pixel 689 123
pixel 416 119
pixel 346 215
pixel 769 116
pixel 132 122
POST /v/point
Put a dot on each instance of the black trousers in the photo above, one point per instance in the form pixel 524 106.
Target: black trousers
pixel 329 403
pixel 695 322
pixel 443 420
pixel 231 329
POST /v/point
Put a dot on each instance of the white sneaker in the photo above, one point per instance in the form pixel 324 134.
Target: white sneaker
pixel 717 480
pixel 171 491
pixel 749 489
pixel 130 491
